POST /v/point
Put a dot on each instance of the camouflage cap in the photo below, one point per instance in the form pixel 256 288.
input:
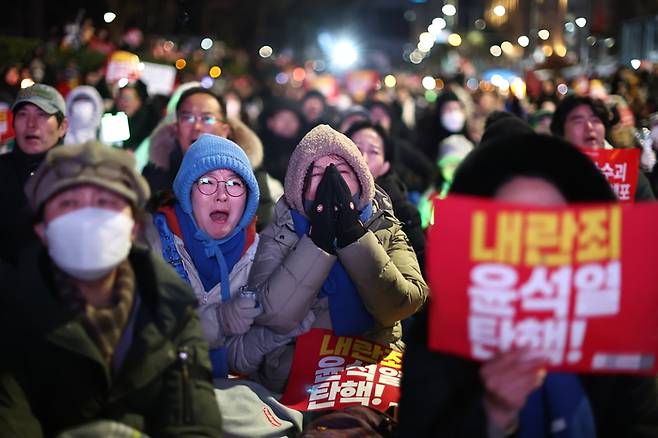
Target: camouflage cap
pixel 44 96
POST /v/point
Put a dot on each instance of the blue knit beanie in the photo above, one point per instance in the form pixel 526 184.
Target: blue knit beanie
pixel 212 152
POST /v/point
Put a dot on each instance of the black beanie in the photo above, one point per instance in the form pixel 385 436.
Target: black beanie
pixel 502 124
pixel 485 169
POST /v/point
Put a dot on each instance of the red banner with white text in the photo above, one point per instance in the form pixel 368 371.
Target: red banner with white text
pixel 620 167
pixel 333 372
pixel 578 284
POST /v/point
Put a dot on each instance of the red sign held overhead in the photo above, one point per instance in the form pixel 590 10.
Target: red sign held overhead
pixel 577 284
pixel 333 372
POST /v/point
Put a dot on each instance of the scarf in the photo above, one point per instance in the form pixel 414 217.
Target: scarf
pixel 209 254
pixel 559 408
pixel 349 316
pixel 104 325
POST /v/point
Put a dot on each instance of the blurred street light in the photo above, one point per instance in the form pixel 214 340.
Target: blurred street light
pixel 523 41
pixel 560 50
pixel 440 23
pixel 635 63
pixel 495 50
pixel 449 10
pixel 544 34
pixel 454 39
pixel 499 10
pixel 215 71
pixel 109 17
pixel 429 83
pixel 344 54
pixel 581 21
pixel 265 52
pixel 206 43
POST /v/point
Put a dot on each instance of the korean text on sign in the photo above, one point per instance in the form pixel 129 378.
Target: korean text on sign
pixel 340 371
pixel 552 280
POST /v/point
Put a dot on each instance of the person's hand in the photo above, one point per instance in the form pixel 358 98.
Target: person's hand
pixel 238 314
pixel 508 380
pixel 349 228
pixel 323 228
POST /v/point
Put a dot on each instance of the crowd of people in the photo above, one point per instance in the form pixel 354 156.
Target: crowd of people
pixel 141 285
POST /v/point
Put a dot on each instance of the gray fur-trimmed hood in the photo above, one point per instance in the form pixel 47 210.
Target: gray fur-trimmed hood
pixel 163 141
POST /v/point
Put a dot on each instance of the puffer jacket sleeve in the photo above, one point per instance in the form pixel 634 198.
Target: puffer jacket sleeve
pixel 287 274
pixel 187 403
pixel 385 271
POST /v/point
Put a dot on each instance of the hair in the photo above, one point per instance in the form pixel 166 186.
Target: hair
pixel 569 103
pixel 389 147
pixel 314 93
pixel 200 90
pixel 140 88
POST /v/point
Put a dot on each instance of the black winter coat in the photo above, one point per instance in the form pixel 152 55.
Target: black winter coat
pixel 16 167
pixel 52 374
pixel 442 397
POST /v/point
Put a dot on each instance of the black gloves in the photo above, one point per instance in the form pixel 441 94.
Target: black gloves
pixel 349 228
pixel 323 230
pixel 334 215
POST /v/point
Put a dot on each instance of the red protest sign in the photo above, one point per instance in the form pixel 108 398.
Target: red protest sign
pixel 578 284
pixel 620 167
pixel 333 372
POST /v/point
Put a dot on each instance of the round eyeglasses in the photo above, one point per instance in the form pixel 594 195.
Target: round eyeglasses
pixel 208 185
pixel 206 119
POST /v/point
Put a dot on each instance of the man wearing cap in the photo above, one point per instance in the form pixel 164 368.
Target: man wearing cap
pixel 39 123
pixel 96 333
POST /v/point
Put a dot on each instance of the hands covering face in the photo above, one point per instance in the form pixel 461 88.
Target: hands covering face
pixel 334 217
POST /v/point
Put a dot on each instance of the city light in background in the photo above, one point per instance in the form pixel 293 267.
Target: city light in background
pixel 344 54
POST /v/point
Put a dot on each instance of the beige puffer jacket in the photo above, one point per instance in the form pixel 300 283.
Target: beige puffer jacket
pixel 288 272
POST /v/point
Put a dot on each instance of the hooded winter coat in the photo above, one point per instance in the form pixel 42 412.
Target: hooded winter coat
pixel 83 125
pixel 289 271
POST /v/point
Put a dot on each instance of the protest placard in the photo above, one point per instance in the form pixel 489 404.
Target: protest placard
pixel 620 167
pixel 333 372
pixel 578 284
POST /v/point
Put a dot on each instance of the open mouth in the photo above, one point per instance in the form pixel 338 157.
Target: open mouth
pixel 591 140
pixel 32 137
pixel 219 216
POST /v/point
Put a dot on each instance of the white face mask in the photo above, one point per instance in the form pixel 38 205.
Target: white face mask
pixel 453 121
pixel 83 111
pixel 89 242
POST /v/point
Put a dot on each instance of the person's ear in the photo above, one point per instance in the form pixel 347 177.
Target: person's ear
pixel 224 130
pixel 386 167
pixel 40 231
pixel 63 127
pixel 135 231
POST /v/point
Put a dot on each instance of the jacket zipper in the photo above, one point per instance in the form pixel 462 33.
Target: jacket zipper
pixel 184 358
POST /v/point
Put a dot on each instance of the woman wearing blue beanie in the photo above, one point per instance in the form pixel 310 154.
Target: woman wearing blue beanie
pixel 208 235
